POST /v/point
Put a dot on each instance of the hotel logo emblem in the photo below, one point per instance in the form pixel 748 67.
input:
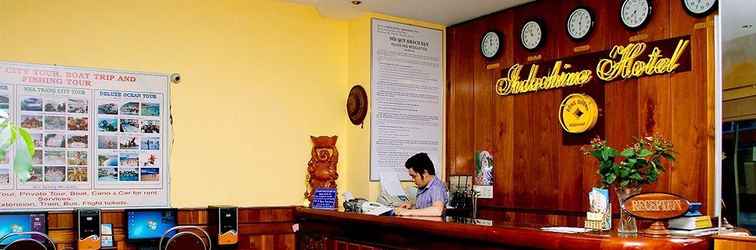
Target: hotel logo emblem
pixel 578 113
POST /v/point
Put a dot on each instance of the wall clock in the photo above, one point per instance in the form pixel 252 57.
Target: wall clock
pixel 699 8
pixel 580 23
pixel 490 44
pixel 634 14
pixel 532 34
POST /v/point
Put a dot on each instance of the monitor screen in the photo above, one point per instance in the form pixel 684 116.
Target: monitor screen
pixel 21 222
pixel 149 224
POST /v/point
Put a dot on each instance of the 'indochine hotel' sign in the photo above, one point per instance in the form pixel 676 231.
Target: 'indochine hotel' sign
pixel 621 62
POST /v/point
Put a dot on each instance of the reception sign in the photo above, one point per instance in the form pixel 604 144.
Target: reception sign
pixel 101 138
pixel 621 62
pixel 656 206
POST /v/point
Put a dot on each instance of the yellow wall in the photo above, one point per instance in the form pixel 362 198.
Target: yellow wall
pixel 258 78
pixel 358 138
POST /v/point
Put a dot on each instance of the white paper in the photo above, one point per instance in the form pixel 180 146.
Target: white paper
pixel 569 230
pixel 485 192
pixel 390 184
pixel 407 96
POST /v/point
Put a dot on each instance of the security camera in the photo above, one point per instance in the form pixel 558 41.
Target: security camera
pixel 175 78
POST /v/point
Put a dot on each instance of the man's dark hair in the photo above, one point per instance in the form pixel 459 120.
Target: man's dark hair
pixel 420 162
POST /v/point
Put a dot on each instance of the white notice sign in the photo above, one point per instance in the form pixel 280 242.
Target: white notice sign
pixel 407 92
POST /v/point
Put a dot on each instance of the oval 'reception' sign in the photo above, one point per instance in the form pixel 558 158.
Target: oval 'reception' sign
pixel 656 206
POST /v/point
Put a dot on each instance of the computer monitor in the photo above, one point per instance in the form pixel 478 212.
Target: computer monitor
pixel 22 222
pixel 148 225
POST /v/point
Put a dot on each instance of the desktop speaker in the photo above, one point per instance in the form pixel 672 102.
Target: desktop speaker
pixel 223 225
pixel 88 229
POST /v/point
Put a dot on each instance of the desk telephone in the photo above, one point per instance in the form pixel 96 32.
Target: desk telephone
pixel 360 205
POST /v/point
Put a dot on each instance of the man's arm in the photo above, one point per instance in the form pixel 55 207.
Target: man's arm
pixel 436 209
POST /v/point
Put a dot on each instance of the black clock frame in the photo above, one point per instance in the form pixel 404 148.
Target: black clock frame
pixel 644 23
pixel 700 15
pixel 501 44
pixel 590 30
pixel 544 32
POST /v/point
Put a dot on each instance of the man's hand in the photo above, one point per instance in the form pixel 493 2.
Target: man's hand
pixel 400 211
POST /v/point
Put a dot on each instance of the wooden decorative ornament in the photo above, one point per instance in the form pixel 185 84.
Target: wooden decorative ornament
pixel 321 170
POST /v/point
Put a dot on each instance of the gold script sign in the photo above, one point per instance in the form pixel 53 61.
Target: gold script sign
pixel 621 62
pixel 656 206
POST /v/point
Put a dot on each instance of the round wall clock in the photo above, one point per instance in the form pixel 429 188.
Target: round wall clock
pixel 634 14
pixel 699 8
pixel 357 104
pixel 533 34
pixel 490 44
pixel 580 23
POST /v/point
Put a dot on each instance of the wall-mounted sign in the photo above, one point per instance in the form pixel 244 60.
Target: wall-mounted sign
pixel 621 62
pixel 578 113
pixel 656 206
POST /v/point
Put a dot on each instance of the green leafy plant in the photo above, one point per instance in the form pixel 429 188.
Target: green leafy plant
pixel 638 164
pixel 11 134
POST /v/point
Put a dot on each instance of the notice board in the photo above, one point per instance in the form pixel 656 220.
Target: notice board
pixel 407 96
pixel 101 137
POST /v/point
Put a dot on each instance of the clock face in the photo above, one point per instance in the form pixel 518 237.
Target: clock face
pixel 579 23
pixel 699 7
pixel 490 44
pixel 635 13
pixel 531 35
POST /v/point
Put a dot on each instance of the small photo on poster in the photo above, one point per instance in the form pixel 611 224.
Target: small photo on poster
pixel 55 105
pixel 37 139
pixel 55 123
pixel 4 103
pixel 130 108
pixel 107 125
pixel 129 125
pixel 31 121
pixel 4 176
pixel 128 174
pixel 150 174
pixel 37 157
pixel 149 160
pixel 78 123
pixel 37 174
pixel 31 103
pixel 76 105
pixel 107 160
pixel 129 142
pixel 77 141
pixel 76 174
pixel 107 142
pixel 55 157
pixel 55 174
pixel 55 140
pixel 77 158
pixel 109 108
pixel 150 143
pixel 150 109
pixel 151 126
pixel 107 174
pixel 129 159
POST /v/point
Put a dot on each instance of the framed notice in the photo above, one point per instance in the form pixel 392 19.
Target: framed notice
pixel 408 98
pixel 101 137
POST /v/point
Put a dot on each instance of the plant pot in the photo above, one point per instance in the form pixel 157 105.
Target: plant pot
pixel 626 223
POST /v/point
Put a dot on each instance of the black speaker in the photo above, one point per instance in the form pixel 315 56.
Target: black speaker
pixel 223 225
pixel 88 233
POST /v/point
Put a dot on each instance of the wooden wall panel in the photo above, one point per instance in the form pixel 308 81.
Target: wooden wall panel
pixel 259 228
pixel 534 171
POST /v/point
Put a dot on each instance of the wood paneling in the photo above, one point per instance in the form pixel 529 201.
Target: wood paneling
pixel 259 228
pixel 534 169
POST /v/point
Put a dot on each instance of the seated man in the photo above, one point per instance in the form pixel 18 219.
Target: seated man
pixel 431 193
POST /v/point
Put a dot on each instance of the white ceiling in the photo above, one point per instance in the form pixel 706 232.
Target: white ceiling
pixel 445 12
pixel 735 14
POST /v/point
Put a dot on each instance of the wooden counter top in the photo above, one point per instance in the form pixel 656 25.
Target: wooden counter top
pixel 449 233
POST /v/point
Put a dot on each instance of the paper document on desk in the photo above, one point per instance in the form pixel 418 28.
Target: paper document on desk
pixel 390 184
pixel 569 230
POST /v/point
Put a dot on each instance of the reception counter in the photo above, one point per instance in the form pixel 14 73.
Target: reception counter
pixel 323 229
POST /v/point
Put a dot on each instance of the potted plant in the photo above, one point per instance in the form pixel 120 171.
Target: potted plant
pixel 639 164
pixel 11 134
